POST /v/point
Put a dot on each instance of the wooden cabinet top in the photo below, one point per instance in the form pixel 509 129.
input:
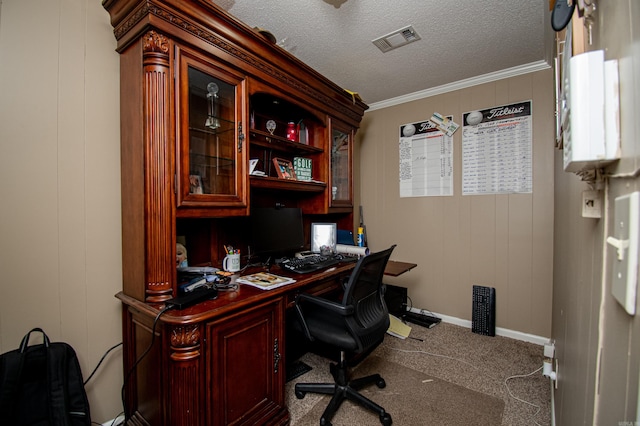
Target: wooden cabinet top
pixel 240 299
pixel 204 25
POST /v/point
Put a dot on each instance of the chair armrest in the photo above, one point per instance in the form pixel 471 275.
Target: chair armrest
pixel 325 304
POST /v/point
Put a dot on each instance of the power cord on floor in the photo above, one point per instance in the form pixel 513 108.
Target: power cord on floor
pixel 423 311
pixel 495 378
pixel 435 355
pixel 113 423
pixel 506 384
pixel 94 372
pixel 117 419
pixel 100 362
pixel 135 364
pixel 410 305
pixel 153 338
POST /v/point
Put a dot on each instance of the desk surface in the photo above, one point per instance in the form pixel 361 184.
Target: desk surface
pixel 395 268
pixel 244 295
pixel 247 294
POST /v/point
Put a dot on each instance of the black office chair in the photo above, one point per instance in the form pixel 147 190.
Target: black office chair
pixel 355 326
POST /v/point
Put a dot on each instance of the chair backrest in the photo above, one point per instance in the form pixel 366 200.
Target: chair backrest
pixel 364 292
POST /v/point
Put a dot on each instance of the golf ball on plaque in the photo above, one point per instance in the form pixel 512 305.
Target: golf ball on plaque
pixel 474 117
pixel 408 130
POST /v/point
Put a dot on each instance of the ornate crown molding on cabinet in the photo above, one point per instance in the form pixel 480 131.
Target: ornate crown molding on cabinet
pixel 129 17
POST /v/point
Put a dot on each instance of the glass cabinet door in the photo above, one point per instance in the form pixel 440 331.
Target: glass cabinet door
pixel 210 166
pixel 341 167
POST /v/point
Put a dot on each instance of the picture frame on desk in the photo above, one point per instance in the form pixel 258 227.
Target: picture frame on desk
pixel 284 168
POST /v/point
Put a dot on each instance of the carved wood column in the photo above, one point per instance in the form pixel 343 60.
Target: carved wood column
pixel 159 233
pixel 185 376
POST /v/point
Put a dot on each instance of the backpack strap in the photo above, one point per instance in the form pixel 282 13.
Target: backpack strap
pixel 55 356
pixel 56 385
pixel 25 340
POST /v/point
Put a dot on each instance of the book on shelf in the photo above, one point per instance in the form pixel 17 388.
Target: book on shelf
pixel 265 280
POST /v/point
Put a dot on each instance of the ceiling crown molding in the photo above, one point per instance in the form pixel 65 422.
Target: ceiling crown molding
pixel 462 84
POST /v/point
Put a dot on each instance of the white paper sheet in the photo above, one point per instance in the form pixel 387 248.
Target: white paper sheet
pixel 426 161
pixel 496 152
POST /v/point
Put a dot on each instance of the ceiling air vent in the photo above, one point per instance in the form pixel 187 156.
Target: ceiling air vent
pixel 396 39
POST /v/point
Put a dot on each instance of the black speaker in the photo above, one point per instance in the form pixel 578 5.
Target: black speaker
pixel 396 299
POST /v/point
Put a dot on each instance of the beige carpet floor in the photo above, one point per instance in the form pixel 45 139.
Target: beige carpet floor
pixel 439 402
pixel 450 376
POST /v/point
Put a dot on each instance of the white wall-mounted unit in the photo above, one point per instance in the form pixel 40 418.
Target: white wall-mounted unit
pixel 591 132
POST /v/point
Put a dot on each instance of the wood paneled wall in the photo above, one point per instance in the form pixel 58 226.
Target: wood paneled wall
pixel 60 234
pixel 501 241
pixel 597 342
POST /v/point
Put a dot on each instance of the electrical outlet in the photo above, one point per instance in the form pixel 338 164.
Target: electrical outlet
pixel 549 350
pixel 592 204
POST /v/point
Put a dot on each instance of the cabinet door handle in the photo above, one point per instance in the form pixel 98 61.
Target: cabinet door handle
pixel 276 355
pixel 240 137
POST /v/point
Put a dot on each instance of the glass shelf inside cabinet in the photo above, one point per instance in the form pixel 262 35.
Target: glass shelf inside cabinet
pixel 340 167
pixel 212 134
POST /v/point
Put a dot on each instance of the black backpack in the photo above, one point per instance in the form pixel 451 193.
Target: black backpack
pixel 42 385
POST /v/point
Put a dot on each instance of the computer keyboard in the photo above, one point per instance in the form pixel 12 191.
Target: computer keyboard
pixel 310 263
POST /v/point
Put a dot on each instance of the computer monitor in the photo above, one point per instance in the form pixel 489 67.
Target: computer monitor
pixel 323 237
pixel 276 231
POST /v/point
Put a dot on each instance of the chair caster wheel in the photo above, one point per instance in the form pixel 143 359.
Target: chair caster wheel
pixel 324 422
pixel 381 383
pixel 385 419
pixel 300 394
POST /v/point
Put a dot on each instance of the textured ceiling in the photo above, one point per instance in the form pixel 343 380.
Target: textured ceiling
pixel 461 39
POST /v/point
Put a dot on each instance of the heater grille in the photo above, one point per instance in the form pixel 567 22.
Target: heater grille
pixel 396 39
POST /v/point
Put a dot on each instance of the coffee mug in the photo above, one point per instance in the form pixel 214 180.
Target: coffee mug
pixel 231 263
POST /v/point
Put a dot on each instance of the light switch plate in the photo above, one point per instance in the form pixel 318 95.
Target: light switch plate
pixel 625 263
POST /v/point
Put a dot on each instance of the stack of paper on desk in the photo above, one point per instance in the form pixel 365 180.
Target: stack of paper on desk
pixel 265 280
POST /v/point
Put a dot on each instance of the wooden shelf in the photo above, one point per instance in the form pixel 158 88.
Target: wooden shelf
pixel 286 184
pixel 278 143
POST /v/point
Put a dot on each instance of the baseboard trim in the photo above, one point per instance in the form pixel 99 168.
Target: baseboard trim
pixel 505 332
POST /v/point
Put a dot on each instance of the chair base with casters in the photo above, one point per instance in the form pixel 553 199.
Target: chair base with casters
pixel 344 389
pixel 356 325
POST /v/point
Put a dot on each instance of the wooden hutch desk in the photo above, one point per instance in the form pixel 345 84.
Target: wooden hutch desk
pixel 203 96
